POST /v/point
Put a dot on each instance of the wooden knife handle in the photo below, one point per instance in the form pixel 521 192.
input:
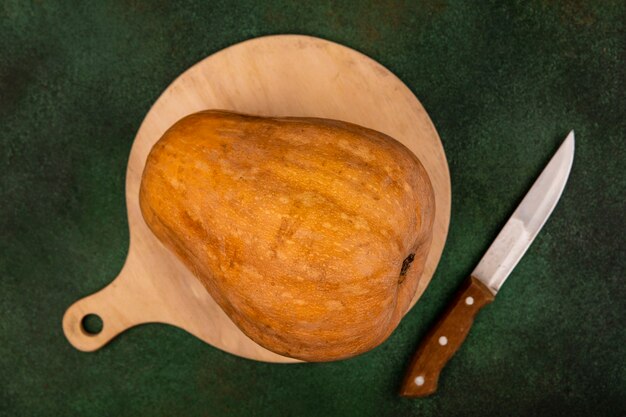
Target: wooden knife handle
pixel 444 339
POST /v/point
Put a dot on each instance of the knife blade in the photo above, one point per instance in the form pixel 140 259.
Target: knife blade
pixel 480 289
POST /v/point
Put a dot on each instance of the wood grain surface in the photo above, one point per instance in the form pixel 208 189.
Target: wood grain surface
pixel 284 75
pixel 444 339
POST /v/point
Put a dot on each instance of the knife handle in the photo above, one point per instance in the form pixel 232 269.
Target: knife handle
pixel 444 339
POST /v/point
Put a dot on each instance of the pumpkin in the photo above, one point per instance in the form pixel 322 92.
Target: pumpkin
pixel 311 234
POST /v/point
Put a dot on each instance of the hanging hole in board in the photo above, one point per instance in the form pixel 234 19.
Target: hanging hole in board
pixel 91 324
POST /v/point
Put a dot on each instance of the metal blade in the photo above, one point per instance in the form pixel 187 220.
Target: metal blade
pixel 529 217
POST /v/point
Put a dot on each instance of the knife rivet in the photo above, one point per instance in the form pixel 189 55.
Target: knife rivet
pixel 443 340
pixel 419 381
pixel 469 301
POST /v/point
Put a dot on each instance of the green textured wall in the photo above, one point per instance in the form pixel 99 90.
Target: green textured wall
pixel 503 85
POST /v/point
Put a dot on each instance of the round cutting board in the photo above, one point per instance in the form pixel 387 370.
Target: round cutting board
pixel 286 75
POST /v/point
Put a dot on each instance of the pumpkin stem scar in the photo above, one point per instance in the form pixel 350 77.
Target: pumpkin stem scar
pixel 405 266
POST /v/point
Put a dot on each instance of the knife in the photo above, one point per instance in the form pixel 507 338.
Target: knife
pixel 480 289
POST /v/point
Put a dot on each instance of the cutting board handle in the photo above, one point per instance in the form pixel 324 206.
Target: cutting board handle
pixel 109 305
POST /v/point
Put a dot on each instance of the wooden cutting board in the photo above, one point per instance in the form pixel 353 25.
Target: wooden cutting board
pixel 285 75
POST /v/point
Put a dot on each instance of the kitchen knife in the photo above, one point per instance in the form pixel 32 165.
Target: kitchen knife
pixel 480 288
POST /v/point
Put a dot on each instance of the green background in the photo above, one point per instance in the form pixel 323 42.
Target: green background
pixel 503 85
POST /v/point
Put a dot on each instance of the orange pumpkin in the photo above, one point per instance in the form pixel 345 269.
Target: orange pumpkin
pixel 311 234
